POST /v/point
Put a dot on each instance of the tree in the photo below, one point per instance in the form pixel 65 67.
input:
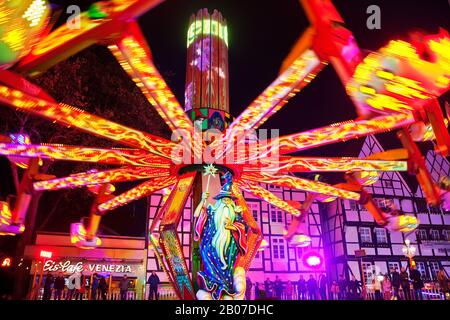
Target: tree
pixel 91 80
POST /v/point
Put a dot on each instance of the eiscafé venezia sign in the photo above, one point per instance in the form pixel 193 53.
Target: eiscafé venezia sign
pixel 71 267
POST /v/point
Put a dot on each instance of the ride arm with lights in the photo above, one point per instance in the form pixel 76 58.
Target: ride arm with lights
pixel 417 166
pixel 298 220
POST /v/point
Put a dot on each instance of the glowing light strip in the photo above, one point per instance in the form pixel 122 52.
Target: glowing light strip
pixel 338 132
pixel 110 176
pixel 143 190
pixel 72 117
pixel 134 157
pixel 267 196
pixel 302 71
pixel 396 79
pixel 56 46
pixel 309 164
pixel 300 184
pixel 135 60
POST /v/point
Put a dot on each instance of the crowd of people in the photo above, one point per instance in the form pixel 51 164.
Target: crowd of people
pixel 54 286
pixel 382 287
pixel 75 288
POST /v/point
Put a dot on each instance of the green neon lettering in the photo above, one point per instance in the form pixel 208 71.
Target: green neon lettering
pixel 208 27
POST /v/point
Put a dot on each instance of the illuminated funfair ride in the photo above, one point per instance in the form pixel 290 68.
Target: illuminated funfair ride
pixel 395 88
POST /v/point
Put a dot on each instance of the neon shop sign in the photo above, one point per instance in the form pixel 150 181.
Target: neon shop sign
pixel 71 267
pixel 207 27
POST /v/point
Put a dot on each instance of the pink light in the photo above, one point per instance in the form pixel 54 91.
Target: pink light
pixel 312 260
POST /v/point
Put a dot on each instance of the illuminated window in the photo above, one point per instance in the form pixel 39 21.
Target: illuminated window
pixel 365 235
pixel 278 248
pixel 368 272
pixel 381 235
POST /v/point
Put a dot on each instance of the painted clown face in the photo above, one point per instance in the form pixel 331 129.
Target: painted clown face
pixel 21 26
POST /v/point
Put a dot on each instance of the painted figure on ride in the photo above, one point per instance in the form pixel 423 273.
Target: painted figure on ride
pixel 222 234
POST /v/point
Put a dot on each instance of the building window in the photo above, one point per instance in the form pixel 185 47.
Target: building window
pixel 274 187
pixel 368 272
pixel 365 235
pixel 278 248
pixel 394 265
pixel 381 235
pixel 353 205
pixel 434 269
pixel 276 215
pixel 435 235
pixel 422 269
pixel 254 209
pixel 421 234
pixel 388 184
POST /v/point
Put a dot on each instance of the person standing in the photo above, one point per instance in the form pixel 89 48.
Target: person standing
pixel 94 286
pixel 268 288
pixel 417 282
pixel 301 288
pixel 323 283
pixel 377 286
pixel 48 284
pixel 80 287
pixel 342 287
pixel 443 282
pixel 153 281
pixel 71 286
pixel 334 291
pixel 312 288
pixel 404 282
pixel 257 291
pixel 387 287
pixel 396 282
pixel 354 287
pixel 278 288
pixel 60 283
pixel 123 286
pixel 248 289
pixel 103 286
pixel 289 290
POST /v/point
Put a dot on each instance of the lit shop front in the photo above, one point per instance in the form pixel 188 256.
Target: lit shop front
pixel 118 256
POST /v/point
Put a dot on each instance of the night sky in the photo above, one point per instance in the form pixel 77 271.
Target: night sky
pixel 261 34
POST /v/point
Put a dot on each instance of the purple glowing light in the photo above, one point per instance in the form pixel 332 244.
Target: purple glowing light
pixel 312 260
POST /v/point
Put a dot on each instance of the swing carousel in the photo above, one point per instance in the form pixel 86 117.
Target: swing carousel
pixel 394 88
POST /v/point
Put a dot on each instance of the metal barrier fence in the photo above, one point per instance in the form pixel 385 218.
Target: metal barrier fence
pixel 425 294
